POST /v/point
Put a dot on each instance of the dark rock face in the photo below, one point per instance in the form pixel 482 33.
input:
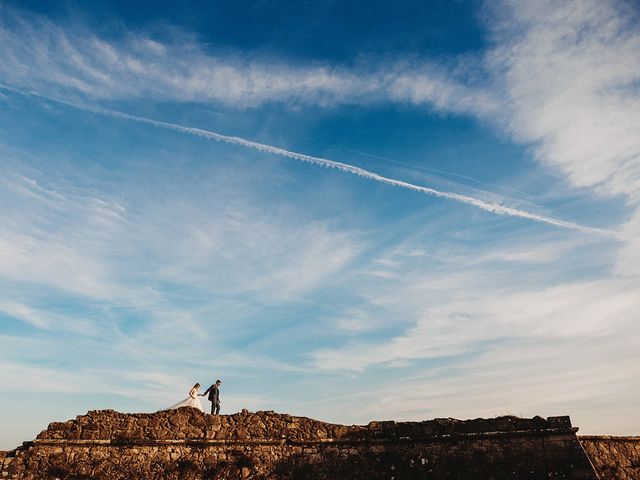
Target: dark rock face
pixel 186 444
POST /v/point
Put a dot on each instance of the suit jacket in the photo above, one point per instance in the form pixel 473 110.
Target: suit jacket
pixel 214 394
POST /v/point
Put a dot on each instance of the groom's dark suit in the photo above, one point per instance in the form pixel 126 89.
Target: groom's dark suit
pixel 214 398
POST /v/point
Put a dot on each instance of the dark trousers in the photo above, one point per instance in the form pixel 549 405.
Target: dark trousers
pixel 215 408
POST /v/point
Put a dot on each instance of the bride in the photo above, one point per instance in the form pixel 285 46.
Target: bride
pixel 191 401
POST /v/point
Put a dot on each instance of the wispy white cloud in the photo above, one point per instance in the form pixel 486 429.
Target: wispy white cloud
pixel 70 59
pixel 266 260
pixel 48 235
pixel 450 299
pixel 24 312
pixel 45 319
pixel 49 232
pixel 568 77
pixel 570 84
pixel 628 259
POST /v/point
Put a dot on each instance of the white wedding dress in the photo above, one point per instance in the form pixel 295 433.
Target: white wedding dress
pixel 191 401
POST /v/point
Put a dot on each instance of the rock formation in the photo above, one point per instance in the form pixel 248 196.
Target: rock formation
pixel 186 444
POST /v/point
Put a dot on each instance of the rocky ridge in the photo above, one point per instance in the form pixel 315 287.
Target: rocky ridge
pixel 187 444
pixel 189 423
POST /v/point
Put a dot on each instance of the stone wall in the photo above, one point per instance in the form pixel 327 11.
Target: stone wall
pixel 614 458
pixel 186 444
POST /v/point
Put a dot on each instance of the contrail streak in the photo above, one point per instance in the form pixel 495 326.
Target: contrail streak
pixel 433 170
pixel 344 167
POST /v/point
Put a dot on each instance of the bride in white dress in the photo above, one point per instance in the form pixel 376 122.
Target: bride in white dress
pixel 191 401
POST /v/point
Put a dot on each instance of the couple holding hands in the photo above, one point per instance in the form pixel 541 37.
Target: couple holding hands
pixel 193 401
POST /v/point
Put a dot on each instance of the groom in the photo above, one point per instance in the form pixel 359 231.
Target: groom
pixel 214 397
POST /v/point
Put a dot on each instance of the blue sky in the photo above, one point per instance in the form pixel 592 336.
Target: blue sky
pixel 345 210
